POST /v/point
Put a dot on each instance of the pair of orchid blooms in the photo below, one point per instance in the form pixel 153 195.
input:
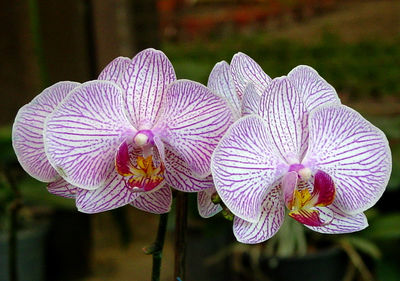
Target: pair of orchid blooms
pixel 260 143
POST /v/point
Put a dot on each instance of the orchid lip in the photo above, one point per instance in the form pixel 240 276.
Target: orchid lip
pixel 141 167
pixel 306 198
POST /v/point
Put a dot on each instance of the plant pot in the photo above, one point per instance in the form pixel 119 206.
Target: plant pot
pixel 68 246
pixel 30 254
pixel 328 265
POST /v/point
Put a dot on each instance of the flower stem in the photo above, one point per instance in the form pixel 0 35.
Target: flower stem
pixel 180 235
pixel 156 248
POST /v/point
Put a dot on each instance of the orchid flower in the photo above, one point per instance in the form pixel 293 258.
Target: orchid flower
pixel 303 150
pixel 124 138
pixel 242 92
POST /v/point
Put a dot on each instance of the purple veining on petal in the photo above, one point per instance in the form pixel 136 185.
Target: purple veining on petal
pixel 180 177
pixel 353 152
pixel 341 222
pixel 113 194
pixel 283 110
pixel 271 219
pixel 84 132
pixel 244 167
pixel 221 83
pixel 115 69
pixel 193 122
pixel 314 92
pixel 244 70
pixel 145 83
pixel 27 133
pixel 205 206
pixel 313 89
pixel 250 100
pixel 157 202
pixel 62 188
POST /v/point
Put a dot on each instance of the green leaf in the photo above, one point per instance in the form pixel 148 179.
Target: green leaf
pixel 384 227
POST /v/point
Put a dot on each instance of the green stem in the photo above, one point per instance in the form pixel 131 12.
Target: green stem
pixel 180 235
pixel 158 247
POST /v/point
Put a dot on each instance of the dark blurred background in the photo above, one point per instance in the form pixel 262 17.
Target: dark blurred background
pixel 354 45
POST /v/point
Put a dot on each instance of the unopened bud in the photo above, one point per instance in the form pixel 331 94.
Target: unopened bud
pixel 227 214
pixel 215 198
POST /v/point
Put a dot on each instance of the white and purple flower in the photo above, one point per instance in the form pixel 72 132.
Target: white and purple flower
pixel 302 149
pixel 122 138
pixel 242 91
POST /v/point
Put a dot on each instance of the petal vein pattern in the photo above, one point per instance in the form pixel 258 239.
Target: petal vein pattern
pixel 341 223
pixel 113 194
pixel 353 152
pixel 145 82
pixel 251 100
pixel 244 70
pixel 179 175
pixel 313 89
pixel 205 205
pixel 115 69
pixel 61 187
pixel 283 110
pixel 221 83
pixel 157 202
pixel 84 132
pixel 194 121
pixel 27 133
pixel 271 219
pixel 244 167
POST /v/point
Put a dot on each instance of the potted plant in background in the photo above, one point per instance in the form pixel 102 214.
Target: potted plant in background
pixel 49 235
pixel 22 228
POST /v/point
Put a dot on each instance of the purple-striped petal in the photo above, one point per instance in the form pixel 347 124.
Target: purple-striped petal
pixel 251 100
pixel 283 110
pixel 221 83
pixel 60 187
pixel 145 83
pixel 83 134
pixel 341 222
pixel 157 202
pixel 244 70
pixel 179 176
pixel 113 194
pixel 271 219
pixel 27 132
pixel 353 152
pixel 313 89
pixel 205 206
pixel 193 122
pixel 115 69
pixel 244 167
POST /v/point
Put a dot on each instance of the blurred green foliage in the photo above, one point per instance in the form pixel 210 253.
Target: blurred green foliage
pixel 365 69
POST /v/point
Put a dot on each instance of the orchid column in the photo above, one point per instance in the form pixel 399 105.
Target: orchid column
pixel 124 138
